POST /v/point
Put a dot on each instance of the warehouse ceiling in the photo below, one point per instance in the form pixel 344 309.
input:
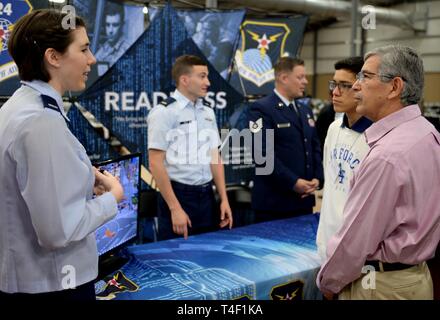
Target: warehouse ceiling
pixel 262 8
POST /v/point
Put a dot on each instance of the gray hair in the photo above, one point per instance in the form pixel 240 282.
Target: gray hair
pixel 404 62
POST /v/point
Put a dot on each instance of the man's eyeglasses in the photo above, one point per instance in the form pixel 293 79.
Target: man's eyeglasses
pixel 361 76
pixel 342 86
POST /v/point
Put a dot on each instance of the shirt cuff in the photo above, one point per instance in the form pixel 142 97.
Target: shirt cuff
pixel 333 286
pixel 110 205
pixel 158 146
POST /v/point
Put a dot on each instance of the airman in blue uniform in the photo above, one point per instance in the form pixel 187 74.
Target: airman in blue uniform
pixel 295 150
pixel 49 213
pixel 183 143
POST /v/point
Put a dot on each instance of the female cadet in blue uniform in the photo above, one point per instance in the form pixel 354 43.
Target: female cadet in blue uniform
pixel 295 151
pixel 48 216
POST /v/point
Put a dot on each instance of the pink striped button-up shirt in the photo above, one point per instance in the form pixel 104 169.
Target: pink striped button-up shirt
pixel 393 209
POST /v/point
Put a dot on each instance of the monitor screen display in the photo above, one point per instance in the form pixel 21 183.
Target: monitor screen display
pixel 123 227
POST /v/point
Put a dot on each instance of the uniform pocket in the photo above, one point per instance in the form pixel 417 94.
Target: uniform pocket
pixel 187 126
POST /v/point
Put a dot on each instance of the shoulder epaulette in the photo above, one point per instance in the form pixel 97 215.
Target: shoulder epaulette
pixel 167 101
pixel 50 103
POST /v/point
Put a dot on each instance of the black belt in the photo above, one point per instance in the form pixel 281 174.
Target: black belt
pixel 388 266
pixel 197 188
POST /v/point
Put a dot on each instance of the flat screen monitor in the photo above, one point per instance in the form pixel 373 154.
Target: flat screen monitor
pixel 122 228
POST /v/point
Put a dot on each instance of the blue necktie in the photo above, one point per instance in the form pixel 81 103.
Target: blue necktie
pixel 297 115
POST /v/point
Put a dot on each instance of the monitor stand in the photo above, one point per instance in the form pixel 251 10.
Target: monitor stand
pixel 110 264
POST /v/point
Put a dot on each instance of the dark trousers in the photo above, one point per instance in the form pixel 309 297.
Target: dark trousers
pixel 84 292
pixel 263 215
pixel 196 201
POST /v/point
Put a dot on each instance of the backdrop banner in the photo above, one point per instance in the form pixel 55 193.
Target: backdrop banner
pixel 216 34
pixel 97 148
pixel 122 98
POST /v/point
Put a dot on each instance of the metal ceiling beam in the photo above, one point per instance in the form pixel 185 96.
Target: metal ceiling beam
pixel 211 4
pixel 330 8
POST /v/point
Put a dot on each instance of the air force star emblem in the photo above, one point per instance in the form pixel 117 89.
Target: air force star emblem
pixel 256 126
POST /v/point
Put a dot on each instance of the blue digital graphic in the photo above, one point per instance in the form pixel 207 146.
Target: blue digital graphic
pixel 97 148
pixel 272 260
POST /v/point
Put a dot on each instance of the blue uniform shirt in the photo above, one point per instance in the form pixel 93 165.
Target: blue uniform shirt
pixel 188 134
pixel 48 216
pixel 285 101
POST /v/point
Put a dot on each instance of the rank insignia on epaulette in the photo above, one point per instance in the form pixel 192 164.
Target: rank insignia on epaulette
pixel 256 126
pixel 50 103
pixel 167 101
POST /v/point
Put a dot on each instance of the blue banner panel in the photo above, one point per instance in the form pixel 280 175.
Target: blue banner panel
pixel 152 12
pixel 10 12
pixel 141 78
pixel 262 43
pixel 216 34
pixel 112 28
pixel 276 260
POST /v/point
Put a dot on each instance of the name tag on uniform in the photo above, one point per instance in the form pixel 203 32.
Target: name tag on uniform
pixel 185 122
pixel 209 119
pixel 283 125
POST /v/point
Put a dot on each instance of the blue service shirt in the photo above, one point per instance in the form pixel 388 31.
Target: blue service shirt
pixel 188 134
pixel 47 216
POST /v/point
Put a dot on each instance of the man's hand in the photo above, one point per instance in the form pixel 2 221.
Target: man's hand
pixel 303 186
pixel 315 182
pixel 329 296
pixel 225 214
pixel 180 221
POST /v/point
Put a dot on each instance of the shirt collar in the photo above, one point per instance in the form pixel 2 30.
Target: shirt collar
pixel 360 125
pixel 283 99
pixel 183 101
pixel 385 125
pixel 46 89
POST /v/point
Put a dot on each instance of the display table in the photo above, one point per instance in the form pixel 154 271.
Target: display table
pixel 273 260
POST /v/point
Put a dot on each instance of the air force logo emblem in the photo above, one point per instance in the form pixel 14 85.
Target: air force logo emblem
pixel 116 284
pixel 10 12
pixel 256 126
pixel 289 291
pixel 262 45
